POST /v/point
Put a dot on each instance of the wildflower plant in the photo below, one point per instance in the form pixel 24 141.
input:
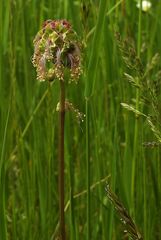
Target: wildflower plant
pixel 57 49
pixel 57 55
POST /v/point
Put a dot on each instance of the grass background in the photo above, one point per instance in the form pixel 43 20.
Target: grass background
pixel 113 148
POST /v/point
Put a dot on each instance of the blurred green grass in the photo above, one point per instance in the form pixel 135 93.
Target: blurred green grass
pixel 28 163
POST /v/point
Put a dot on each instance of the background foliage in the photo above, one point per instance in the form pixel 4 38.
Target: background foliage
pixel 29 131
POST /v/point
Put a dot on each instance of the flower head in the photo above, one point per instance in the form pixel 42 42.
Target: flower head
pixel 146 5
pixel 57 49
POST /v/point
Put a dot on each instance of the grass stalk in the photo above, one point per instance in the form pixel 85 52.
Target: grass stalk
pixel 61 160
pixel 88 168
pixel 90 83
pixel 3 223
pixel 28 124
pixel 136 131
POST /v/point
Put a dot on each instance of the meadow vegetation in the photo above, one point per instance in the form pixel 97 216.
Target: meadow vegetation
pixel 113 155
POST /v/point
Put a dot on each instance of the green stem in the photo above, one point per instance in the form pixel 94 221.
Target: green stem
pixel 3 223
pixel 61 161
pixel 28 124
pixel 135 151
pixel 88 168
pixel 139 30
pixel 89 89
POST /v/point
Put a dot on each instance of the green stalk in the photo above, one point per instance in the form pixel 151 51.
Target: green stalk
pixel 88 168
pixel 135 148
pixel 145 197
pixel 90 83
pixel 139 30
pixel 3 223
pixel 72 215
pixel 28 124
pixel 61 160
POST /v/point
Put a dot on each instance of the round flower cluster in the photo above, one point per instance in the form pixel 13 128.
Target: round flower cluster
pixel 146 5
pixel 57 49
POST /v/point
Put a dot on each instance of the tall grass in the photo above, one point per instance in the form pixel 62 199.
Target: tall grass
pixel 113 149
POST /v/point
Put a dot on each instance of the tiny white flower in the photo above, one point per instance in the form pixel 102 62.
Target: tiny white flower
pixel 146 5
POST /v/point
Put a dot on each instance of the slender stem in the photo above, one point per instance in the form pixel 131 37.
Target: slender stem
pixel 89 89
pixel 3 228
pixel 61 160
pixel 136 132
pixel 88 168
pixel 139 30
